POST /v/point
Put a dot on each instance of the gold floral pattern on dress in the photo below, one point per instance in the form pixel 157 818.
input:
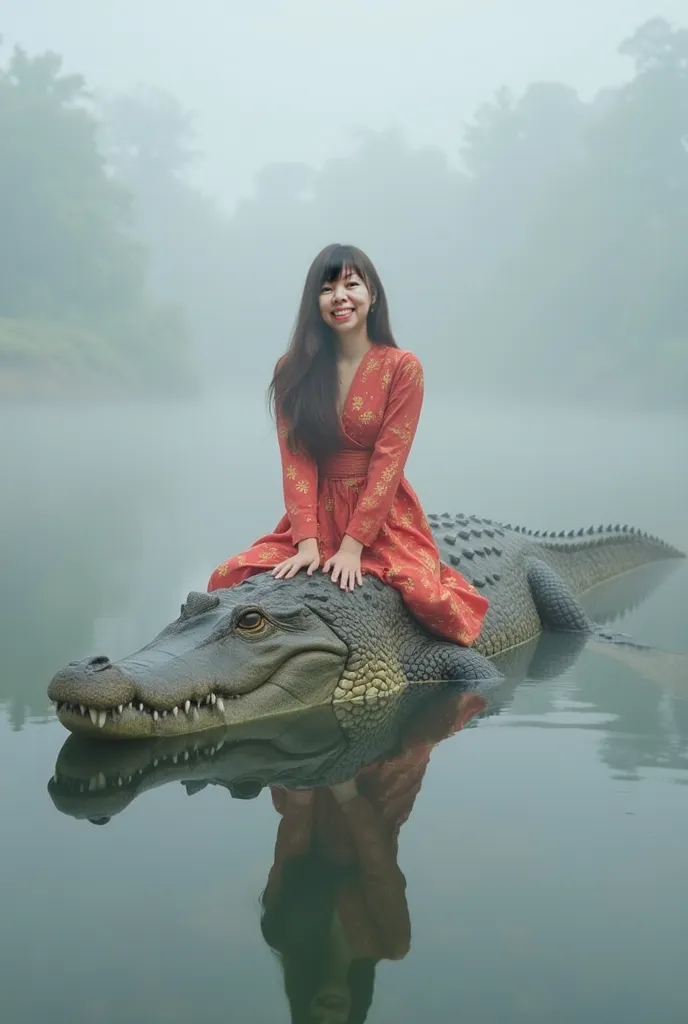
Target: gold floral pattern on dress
pixel 379 509
pixel 371 364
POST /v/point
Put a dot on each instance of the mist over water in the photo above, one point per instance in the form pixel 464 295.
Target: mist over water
pixel 543 824
pixel 519 175
pixel 112 513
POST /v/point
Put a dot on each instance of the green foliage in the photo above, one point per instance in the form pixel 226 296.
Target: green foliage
pixel 550 262
pixel 592 278
pixel 73 290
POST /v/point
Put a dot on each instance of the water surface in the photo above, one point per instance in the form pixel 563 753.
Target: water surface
pixel 545 852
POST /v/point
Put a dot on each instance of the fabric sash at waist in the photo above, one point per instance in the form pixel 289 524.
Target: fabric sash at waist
pixel 346 463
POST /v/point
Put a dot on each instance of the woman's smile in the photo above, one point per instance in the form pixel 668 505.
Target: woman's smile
pixel 345 303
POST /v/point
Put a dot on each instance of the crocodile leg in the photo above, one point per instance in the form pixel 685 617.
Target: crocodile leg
pixel 556 604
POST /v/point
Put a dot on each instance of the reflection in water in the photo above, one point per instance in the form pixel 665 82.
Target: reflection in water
pixel 335 901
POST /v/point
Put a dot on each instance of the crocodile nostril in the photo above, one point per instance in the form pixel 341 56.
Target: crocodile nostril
pixel 99 662
pixel 245 789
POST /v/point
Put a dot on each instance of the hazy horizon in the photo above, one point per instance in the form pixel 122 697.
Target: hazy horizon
pixel 260 83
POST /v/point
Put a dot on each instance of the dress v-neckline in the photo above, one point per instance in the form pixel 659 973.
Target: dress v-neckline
pixel 351 385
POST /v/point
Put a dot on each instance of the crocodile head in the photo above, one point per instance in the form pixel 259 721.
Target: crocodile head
pixel 266 647
pixel 230 657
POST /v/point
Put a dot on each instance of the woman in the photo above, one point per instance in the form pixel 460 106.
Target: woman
pixel 347 401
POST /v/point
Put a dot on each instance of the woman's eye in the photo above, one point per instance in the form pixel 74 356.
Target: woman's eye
pixel 251 621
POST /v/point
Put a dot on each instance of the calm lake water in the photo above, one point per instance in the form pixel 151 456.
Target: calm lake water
pixel 544 852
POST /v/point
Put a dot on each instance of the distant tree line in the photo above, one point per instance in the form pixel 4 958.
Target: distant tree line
pixel 547 260
pixel 75 305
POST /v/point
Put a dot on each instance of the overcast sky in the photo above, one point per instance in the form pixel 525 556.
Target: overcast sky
pixel 292 79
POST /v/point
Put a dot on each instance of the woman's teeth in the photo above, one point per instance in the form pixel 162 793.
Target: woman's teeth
pixel 343 314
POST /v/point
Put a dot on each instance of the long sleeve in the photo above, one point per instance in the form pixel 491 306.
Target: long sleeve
pixel 393 444
pixel 300 485
pixel 294 834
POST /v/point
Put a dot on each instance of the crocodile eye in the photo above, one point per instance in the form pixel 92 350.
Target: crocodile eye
pixel 251 622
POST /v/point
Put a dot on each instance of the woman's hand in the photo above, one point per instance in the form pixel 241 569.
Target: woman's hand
pixel 346 564
pixel 307 557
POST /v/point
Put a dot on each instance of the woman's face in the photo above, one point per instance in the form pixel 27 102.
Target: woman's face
pixel 331 1004
pixel 345 303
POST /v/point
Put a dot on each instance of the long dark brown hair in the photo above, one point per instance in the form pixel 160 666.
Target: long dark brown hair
pixel 304 385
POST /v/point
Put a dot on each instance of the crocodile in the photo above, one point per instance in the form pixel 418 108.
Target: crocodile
pixel 268 647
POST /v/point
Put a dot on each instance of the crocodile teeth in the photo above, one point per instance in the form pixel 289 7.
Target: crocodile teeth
pixel 187 706
pixel 93 715
pixel 196 715
pixel 213 698
pixel 82 709
pixel 175 711
pixel 102 715
pixel 140 705
pixel 155 716
pixel 220 704
pixel 120 708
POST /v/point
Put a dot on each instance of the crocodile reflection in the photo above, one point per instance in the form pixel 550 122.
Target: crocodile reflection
pixel 96 781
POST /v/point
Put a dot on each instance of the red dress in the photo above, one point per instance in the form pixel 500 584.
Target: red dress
pixel 371 900
pixel 362 491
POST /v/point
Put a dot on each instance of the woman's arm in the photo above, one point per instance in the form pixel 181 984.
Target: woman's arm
pixel 392 447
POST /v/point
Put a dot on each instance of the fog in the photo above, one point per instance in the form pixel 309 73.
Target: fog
pixel 519 175
pixel 518 172
pixel 296 80
pixel 112 513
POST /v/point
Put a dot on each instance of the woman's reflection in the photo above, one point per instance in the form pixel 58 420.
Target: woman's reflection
pixel 335 899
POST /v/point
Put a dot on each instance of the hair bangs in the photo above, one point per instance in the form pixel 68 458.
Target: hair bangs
pixel 340 261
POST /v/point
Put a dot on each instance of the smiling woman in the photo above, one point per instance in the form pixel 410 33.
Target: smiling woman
pixel 347 402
